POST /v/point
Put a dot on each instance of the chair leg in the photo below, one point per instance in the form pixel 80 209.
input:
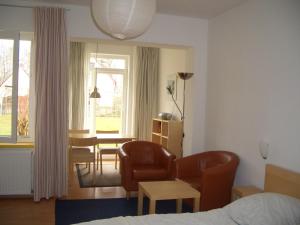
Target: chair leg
pixel 101 168
pixel 71 167
pixel 97 160
pixel 89 167
pixel 116 161
pixel 127 195
pixel 94 174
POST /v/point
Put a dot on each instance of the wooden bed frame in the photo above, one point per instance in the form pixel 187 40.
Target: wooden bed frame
pixel 282 181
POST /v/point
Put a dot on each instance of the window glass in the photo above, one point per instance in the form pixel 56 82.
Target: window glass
pixel 23 88
pixel 15 80
pixel 107 63
pixel 109 107
pixel 6 84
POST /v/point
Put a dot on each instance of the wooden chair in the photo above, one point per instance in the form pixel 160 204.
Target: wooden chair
pixel 107 150
pixel 80 152
pixel 79 131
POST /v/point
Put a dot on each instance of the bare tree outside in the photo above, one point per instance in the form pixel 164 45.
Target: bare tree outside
pixel 6 69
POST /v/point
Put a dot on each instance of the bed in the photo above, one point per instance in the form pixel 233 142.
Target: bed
pixel 278 205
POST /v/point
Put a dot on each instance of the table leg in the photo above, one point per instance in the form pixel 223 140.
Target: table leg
pixel 178 205
pixel 140 202
pixel 152 206
pixel 94 174
pixel 196 204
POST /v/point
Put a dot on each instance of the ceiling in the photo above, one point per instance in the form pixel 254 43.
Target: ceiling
pixel 190 8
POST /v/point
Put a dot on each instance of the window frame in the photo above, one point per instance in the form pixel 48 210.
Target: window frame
pixel 28 36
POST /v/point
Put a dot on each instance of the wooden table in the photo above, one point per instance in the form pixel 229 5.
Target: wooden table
pixel 113 138
pixel 165 190
pixel 105 138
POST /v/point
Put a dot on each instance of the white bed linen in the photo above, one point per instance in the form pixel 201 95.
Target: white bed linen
pixel 213 217
pixel 259 209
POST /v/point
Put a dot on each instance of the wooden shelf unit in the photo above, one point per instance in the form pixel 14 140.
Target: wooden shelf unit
pixel 168 133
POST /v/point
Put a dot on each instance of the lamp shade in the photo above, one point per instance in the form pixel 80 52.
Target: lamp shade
pixel 95 93
pixel 123 19
pixel 185 76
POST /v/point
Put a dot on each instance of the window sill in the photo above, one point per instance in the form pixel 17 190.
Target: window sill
pixel 17 145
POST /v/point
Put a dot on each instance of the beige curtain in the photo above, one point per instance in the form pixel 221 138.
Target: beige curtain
pixel 77 85
pixel 51 125
pixel 146 91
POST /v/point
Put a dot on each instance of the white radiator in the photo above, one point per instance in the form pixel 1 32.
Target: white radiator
pixel 15 171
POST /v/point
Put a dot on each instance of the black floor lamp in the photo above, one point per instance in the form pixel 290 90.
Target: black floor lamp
pixel 184 76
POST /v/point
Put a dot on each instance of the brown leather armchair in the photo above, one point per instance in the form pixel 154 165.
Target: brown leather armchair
pixel 143 161
pixel 212 173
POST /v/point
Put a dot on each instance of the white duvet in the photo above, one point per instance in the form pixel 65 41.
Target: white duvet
pixel 213 217
pixel 259 209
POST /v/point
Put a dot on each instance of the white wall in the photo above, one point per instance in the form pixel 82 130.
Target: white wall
pixel 171 61
pixel 170 30
pixel 254 85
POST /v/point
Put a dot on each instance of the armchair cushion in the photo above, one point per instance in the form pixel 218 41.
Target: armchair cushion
pixel 148 172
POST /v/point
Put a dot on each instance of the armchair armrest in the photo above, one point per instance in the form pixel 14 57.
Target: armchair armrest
pixel 122 154
pixel 167 160
pixel 125 168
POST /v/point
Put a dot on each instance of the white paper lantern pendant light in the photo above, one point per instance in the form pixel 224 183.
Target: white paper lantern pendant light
pixel 123 19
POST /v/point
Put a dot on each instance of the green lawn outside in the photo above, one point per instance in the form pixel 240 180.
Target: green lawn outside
pixel 102 123
pixel 5 125
pixel 108 123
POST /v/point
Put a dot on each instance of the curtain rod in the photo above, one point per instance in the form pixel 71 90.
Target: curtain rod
pixel 27 7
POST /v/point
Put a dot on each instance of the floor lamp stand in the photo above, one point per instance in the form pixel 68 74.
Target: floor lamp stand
pixel 184 77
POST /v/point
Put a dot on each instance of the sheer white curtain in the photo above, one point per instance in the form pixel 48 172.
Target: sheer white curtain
pixel 51 125
pixel 146 102
pixel 77 85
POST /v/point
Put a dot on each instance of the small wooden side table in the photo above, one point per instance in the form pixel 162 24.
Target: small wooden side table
pixel 242 191
pixel 164 190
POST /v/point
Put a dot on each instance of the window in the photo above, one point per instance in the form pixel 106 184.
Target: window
pixel 109 73
pixel 15 82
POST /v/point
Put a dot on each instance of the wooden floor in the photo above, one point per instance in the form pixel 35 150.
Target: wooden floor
pixel 24 211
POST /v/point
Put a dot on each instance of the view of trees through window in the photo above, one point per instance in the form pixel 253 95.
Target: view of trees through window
pixel 6 85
